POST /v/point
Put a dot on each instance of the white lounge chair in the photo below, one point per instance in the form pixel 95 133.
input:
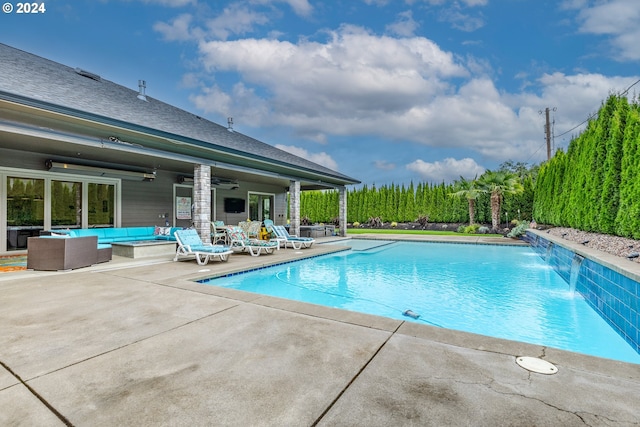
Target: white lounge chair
pixel 241 243
pixel 218 232
pixel 295 241
pixel 273 237
pixel 190 244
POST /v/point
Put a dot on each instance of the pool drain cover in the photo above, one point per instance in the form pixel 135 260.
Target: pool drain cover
pixel 534 364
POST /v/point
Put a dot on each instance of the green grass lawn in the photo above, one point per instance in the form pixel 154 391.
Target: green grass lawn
pixel 400 231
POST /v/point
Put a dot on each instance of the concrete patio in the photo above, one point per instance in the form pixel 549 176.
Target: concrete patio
pixel 137 342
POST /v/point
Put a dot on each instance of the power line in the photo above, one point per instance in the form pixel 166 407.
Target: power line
pixel 573 128
pixel 594 114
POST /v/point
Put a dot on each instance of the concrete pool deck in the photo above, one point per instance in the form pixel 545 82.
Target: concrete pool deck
pixel 137 342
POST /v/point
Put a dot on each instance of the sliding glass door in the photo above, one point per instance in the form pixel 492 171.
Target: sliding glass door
pixel 25 210
pixel 261 206
pixel 32 201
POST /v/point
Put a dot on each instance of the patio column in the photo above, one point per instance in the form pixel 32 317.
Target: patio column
pixel 342 211
pixel 294 207
pixel 202 201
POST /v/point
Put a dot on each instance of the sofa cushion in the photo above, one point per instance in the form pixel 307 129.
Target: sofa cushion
pixel 139 232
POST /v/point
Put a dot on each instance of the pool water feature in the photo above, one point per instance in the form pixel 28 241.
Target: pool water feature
pixel 500 291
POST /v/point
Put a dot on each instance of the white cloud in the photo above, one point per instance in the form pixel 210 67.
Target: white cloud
pixel 404 26
pixel 344 85
pixel 177 30
pixel 447 170
pixel 384 165
pixel 171 3
pixel 300 7
pixel 618 19
pixel 400 89
pixel 321 158
pixel 461 21
pixel 235 19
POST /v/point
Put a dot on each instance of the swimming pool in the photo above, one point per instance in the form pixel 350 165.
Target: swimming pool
pixel 501 291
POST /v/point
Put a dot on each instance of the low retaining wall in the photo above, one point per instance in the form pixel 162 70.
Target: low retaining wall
pixel 612 294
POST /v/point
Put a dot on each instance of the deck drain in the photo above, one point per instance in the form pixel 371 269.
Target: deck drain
pixel 534 364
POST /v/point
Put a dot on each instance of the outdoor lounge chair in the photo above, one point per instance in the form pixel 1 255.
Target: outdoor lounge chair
pixel 295 241
pixel 254 229
pixel 273 237
pixel 190 244
pixel 218 232
pixel 239 241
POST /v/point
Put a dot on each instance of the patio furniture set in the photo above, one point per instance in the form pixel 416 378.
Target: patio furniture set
pixel 229 239
pixel 76 248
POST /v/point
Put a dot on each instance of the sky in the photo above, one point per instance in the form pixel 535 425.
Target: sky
pixel 384 91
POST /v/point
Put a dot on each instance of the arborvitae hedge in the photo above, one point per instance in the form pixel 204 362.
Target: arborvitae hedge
pixel 402 203
pixel 594 186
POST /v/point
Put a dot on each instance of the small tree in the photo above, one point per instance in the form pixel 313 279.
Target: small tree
pixel 470 191
pixel 497 184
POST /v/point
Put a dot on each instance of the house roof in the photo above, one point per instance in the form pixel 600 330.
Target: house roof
pixel 37 82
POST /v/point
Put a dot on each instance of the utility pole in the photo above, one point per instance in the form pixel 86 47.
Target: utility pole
pixel 547 128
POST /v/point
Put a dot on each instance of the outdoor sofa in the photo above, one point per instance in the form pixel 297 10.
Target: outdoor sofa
pixel 106 236
pixel 61 252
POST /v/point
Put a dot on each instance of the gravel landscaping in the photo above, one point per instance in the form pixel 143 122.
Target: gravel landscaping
pixel 615 245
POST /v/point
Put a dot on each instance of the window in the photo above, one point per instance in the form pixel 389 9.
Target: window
pixel 260 206
pixel 25 211
pixel 66 204
pixel 101 205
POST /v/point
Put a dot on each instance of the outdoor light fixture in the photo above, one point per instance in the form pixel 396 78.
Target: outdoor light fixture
pixel 98 171
pixel 224 183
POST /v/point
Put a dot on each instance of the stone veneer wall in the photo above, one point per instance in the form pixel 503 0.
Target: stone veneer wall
pixel 614 296
pixel 202 201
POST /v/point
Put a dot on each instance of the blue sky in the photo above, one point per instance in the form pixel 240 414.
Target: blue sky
pixel 385 91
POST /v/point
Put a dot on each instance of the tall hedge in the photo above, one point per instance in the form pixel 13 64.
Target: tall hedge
pixel 402 203
pixel 594 185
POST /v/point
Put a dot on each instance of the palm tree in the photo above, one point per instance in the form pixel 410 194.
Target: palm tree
pixel 497 184
pixel 470 191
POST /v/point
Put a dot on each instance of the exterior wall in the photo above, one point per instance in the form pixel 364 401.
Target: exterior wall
pixel 614 296
pixel 19 159
pixel 146 203
pixel 280 209
pixel 243 193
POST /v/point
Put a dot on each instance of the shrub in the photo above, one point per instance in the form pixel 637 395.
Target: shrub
pixel 423 220
pixel 356 224
pixel 394 224
pixel 519 230
pixel 375 221
pixel 483 230
pixel 471 229
pixel 460 229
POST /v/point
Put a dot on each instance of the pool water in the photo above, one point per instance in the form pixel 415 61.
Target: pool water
pixel 501 291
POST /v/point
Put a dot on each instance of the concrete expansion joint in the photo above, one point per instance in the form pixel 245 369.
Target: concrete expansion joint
pixel 61 417
pixel 360 371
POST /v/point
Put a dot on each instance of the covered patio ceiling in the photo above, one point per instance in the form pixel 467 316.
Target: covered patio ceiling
pixel 67 139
